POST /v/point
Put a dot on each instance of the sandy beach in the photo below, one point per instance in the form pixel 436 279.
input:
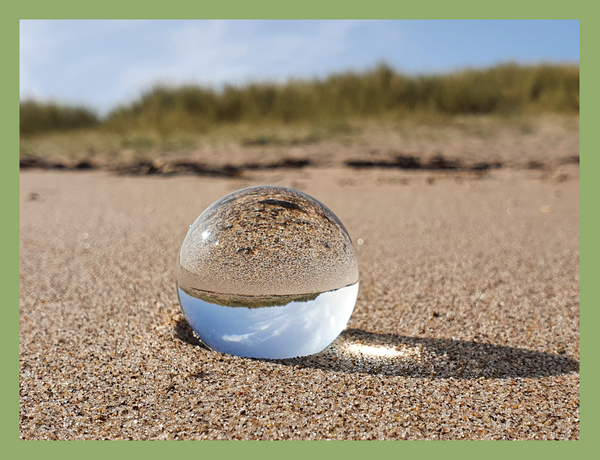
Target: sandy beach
pixel 466 324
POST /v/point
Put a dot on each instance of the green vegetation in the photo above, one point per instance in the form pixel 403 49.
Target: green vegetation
pixel 347 107
pixel 379 93
pixel 232 300
pixel 37 117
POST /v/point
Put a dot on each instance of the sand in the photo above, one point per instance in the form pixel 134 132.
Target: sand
pixel 466 324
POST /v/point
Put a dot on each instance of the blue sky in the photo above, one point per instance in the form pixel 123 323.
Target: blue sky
pixel 105 63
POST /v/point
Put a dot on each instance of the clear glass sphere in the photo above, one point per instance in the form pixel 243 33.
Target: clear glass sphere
pixel 267 272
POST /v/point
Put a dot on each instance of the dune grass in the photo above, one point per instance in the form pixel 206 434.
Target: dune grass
pixel 39 117
pixel 379 93
pixel 341 106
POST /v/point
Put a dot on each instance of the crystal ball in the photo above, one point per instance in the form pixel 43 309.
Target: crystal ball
pixel 267 272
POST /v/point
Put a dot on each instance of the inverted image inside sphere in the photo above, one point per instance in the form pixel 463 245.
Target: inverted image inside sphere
pixel 267 240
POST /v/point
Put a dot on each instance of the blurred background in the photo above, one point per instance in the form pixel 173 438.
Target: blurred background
pixel 104 91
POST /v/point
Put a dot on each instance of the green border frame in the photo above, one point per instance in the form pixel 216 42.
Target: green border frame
pixel 310 9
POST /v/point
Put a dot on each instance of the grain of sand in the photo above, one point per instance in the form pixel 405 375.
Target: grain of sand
pixel 466 324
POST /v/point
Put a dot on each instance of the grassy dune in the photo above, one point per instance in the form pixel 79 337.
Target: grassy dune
pixel 37 117
pixel 375 94
pixel 341 106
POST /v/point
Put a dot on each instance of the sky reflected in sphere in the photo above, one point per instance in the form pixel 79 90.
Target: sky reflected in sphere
pixel 295 329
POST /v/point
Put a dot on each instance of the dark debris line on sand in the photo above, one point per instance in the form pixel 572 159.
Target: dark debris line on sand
pixel 166 168
pixel 177 167
pixel 437 163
